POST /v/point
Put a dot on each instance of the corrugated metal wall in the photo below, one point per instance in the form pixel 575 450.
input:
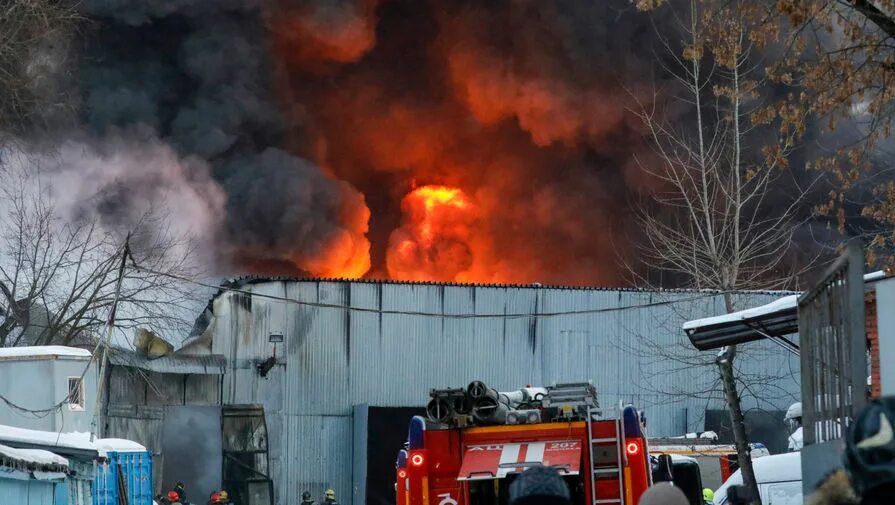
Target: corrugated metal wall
pixel 335 358
pixel 26 492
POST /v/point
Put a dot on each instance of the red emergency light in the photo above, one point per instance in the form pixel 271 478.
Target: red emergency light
pixel 402 474
pixel 417 459
pixel 633 448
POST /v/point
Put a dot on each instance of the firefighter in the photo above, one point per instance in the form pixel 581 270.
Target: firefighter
pixel 224 497
pixel 708 496
pixel 329 497
pixel 181 492
pixel 306 499
pixel 172 498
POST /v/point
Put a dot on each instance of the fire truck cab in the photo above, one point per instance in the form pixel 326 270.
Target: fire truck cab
pixel 475 442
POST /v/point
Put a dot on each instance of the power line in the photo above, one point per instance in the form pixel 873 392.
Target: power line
pixel 352 308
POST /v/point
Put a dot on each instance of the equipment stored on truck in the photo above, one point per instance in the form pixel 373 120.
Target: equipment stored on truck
pixel 477 440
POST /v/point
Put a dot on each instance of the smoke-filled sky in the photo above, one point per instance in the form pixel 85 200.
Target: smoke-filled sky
pixel 412 139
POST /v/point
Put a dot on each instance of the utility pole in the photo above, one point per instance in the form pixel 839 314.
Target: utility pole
pixel 110 327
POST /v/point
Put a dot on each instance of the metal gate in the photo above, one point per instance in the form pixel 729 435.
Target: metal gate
pixel 834 349
pixel 834 363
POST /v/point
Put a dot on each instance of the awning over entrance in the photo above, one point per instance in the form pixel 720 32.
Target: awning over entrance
pixel 494 461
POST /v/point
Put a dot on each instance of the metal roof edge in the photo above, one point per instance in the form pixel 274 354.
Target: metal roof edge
pixel 239 282
pixel 212 364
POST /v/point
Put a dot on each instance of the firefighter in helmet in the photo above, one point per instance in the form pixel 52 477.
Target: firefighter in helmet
pixel 306 499
pixel 329 497
pixel 173 498
pixel 181 491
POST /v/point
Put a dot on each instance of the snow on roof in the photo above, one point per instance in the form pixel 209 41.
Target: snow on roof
pixel 43 351
pixel 72 440
pixel 787 303
pixel 33 456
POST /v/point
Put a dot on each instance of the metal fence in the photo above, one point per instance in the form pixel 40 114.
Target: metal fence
pixel 833 349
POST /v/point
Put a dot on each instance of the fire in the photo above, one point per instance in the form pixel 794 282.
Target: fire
pixel 433 242
pixel 526 142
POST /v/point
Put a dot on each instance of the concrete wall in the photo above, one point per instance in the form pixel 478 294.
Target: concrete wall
pixel 40 383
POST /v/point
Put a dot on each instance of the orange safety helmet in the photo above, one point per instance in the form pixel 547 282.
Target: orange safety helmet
pixel 173 496
pixel 215 497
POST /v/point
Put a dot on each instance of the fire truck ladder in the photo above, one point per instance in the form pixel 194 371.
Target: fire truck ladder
pixel 606 469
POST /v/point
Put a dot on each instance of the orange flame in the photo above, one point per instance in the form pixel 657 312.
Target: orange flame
pixel 433 242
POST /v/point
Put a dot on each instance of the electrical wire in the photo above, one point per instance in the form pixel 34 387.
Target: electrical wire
pixel 57 406
pixel 41 413
pixel 352 308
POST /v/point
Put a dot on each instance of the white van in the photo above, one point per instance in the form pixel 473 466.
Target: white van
pixel 779 480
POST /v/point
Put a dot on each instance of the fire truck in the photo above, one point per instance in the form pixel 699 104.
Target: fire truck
pixel 476 440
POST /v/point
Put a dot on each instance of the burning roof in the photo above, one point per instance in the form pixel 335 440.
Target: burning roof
pixel 322 138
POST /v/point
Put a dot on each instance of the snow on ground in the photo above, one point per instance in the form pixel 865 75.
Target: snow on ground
pixel 34 456
pixel 72 440
pixel 43 351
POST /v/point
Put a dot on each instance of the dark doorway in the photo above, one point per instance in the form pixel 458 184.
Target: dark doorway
pixel 762 426
pixel 191 445
pixel 386 434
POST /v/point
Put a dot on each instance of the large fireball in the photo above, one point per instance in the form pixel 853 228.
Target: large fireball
pixel 433 241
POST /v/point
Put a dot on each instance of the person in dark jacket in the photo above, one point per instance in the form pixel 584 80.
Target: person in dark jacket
pixel 181 492
pixel 539 485
pixel 869 460
pixel 306 499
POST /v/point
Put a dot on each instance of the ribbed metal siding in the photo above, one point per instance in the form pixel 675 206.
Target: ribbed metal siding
pixel 319 457
pixel 336 358
pixel 26 492
pixel 136 468
pixel 318 343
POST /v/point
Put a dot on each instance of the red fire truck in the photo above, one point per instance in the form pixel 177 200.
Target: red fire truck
pixel 476 441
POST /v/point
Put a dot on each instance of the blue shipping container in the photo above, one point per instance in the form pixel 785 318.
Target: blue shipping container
pixel 136 469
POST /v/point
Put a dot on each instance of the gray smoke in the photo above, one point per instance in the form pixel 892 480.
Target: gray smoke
pixel 183 92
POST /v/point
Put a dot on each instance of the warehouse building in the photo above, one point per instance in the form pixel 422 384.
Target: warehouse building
pixel 307 384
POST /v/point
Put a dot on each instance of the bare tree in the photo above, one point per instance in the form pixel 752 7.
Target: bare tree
pixel 716 220
pixel 58 275
pixel 34 49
